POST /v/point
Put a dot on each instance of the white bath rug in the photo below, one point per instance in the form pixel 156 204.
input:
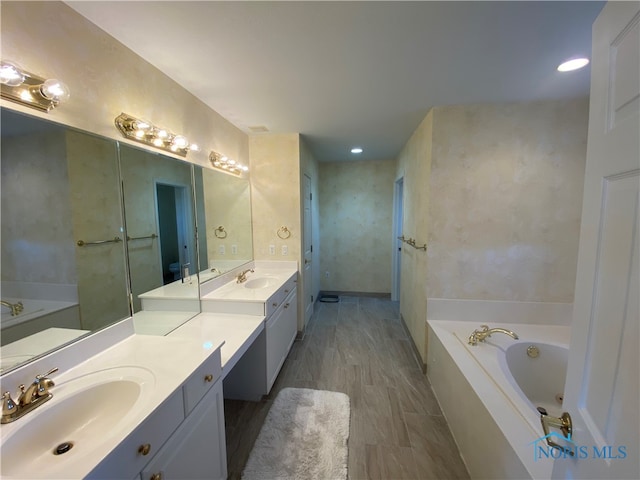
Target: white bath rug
pixel 304 436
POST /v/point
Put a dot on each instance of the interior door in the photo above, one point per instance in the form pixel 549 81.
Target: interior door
pixel 308 251
pixel 602 380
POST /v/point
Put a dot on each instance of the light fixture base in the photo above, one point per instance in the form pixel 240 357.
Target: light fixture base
pixel 28 93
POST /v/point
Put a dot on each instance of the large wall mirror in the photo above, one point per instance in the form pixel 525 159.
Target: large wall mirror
pixel 77 210
pixel 63 254
pixel 159 212
pixel 224 216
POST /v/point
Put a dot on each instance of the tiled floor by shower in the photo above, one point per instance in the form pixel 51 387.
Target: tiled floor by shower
pixel 359 347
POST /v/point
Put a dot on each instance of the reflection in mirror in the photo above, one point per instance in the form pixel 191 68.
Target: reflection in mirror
pixel 158 204
pixel 63 269
pixel 224 213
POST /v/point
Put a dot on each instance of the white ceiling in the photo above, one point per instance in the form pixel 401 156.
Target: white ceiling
pixel 354 73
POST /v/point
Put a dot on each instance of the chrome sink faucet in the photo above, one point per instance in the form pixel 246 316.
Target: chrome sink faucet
pixel 15 308
pixel 242 277
pixel 29 399
pixel 485 331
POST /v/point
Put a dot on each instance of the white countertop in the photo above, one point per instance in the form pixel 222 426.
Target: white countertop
pixel 237 331
pixel 169 372
pixel 238 292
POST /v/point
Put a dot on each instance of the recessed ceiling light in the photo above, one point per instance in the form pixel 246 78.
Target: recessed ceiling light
pixel 573 64
pixel 356 150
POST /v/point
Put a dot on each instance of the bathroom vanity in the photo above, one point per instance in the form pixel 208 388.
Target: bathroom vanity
pixel 152 407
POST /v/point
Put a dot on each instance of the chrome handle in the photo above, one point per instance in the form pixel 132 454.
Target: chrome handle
pixel 208 378
pixel 144 449
pixel 563 423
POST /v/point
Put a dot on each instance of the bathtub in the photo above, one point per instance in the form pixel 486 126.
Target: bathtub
pixel 489 392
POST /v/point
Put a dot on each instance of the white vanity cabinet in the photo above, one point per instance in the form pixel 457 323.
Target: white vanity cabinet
pixel 281 329
pixel 184 438
pixel 255 373
pixel 197 449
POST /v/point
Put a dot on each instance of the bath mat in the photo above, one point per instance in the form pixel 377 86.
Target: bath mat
pixel 304 436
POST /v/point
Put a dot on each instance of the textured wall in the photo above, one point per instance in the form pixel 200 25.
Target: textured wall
pixel 96 215
pixel 227 201
pixel 414 166
pixel 106 78
pixel 506 199
pixel 275 194
pixel 356 204
pixel 37 241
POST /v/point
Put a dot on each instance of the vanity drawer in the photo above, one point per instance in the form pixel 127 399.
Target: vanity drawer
pixel 278 297
pixel 201 381
pixel 131 456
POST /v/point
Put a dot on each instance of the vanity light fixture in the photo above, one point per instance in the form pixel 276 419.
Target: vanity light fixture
pixel 145 132
pixel 224 164
pixel 29 89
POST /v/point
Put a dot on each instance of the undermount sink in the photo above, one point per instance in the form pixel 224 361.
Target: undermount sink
pixel 82 414
pixel 259 282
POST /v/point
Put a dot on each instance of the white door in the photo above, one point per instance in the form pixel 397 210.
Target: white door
pixel 601 392
pixel 307 270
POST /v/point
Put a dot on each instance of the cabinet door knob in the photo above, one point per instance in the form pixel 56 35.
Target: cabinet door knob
pixel 274 304
pixel 208 378
pixel 156 476
pixel 144 449
pixel 286 291
pixel 286 305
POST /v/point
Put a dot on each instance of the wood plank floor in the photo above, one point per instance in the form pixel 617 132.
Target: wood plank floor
pixel 359 347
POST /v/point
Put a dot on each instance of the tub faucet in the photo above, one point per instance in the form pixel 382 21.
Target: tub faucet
pixel 485 331
pixel 242 277
pixel 15 308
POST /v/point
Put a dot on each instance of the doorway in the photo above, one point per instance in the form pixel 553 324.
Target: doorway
pixel 308 251
pixel 173 212
pixel 398 198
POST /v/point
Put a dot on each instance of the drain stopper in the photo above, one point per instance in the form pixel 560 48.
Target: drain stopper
pixel 64 447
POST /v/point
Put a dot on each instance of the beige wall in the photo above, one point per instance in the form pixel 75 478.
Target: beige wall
pixel 356 204
pixel 227 204
pixel 414 167
pixel 105 78
pixel 275 194
pixel 496 192
pixel 506 199
pixel 37 241
pixel 96 215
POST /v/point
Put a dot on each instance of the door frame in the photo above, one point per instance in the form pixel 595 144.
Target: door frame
pixel 396 254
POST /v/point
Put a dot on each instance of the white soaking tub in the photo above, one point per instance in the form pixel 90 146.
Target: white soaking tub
pixel 489 392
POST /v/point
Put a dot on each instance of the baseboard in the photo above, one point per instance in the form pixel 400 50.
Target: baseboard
pixel 414 349
pixel 355 294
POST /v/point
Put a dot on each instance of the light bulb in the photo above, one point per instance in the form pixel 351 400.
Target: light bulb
pixel 223 158
pixel 139 133
pixel 158 142
pixel 573 64
pixel 245 168
pixel 55 90
pixel 232 162
pixel 194 147
pixel 180 142
pixel 162 134
pixel 11 74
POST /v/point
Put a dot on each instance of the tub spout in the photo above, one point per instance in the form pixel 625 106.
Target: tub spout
pixel 479 335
